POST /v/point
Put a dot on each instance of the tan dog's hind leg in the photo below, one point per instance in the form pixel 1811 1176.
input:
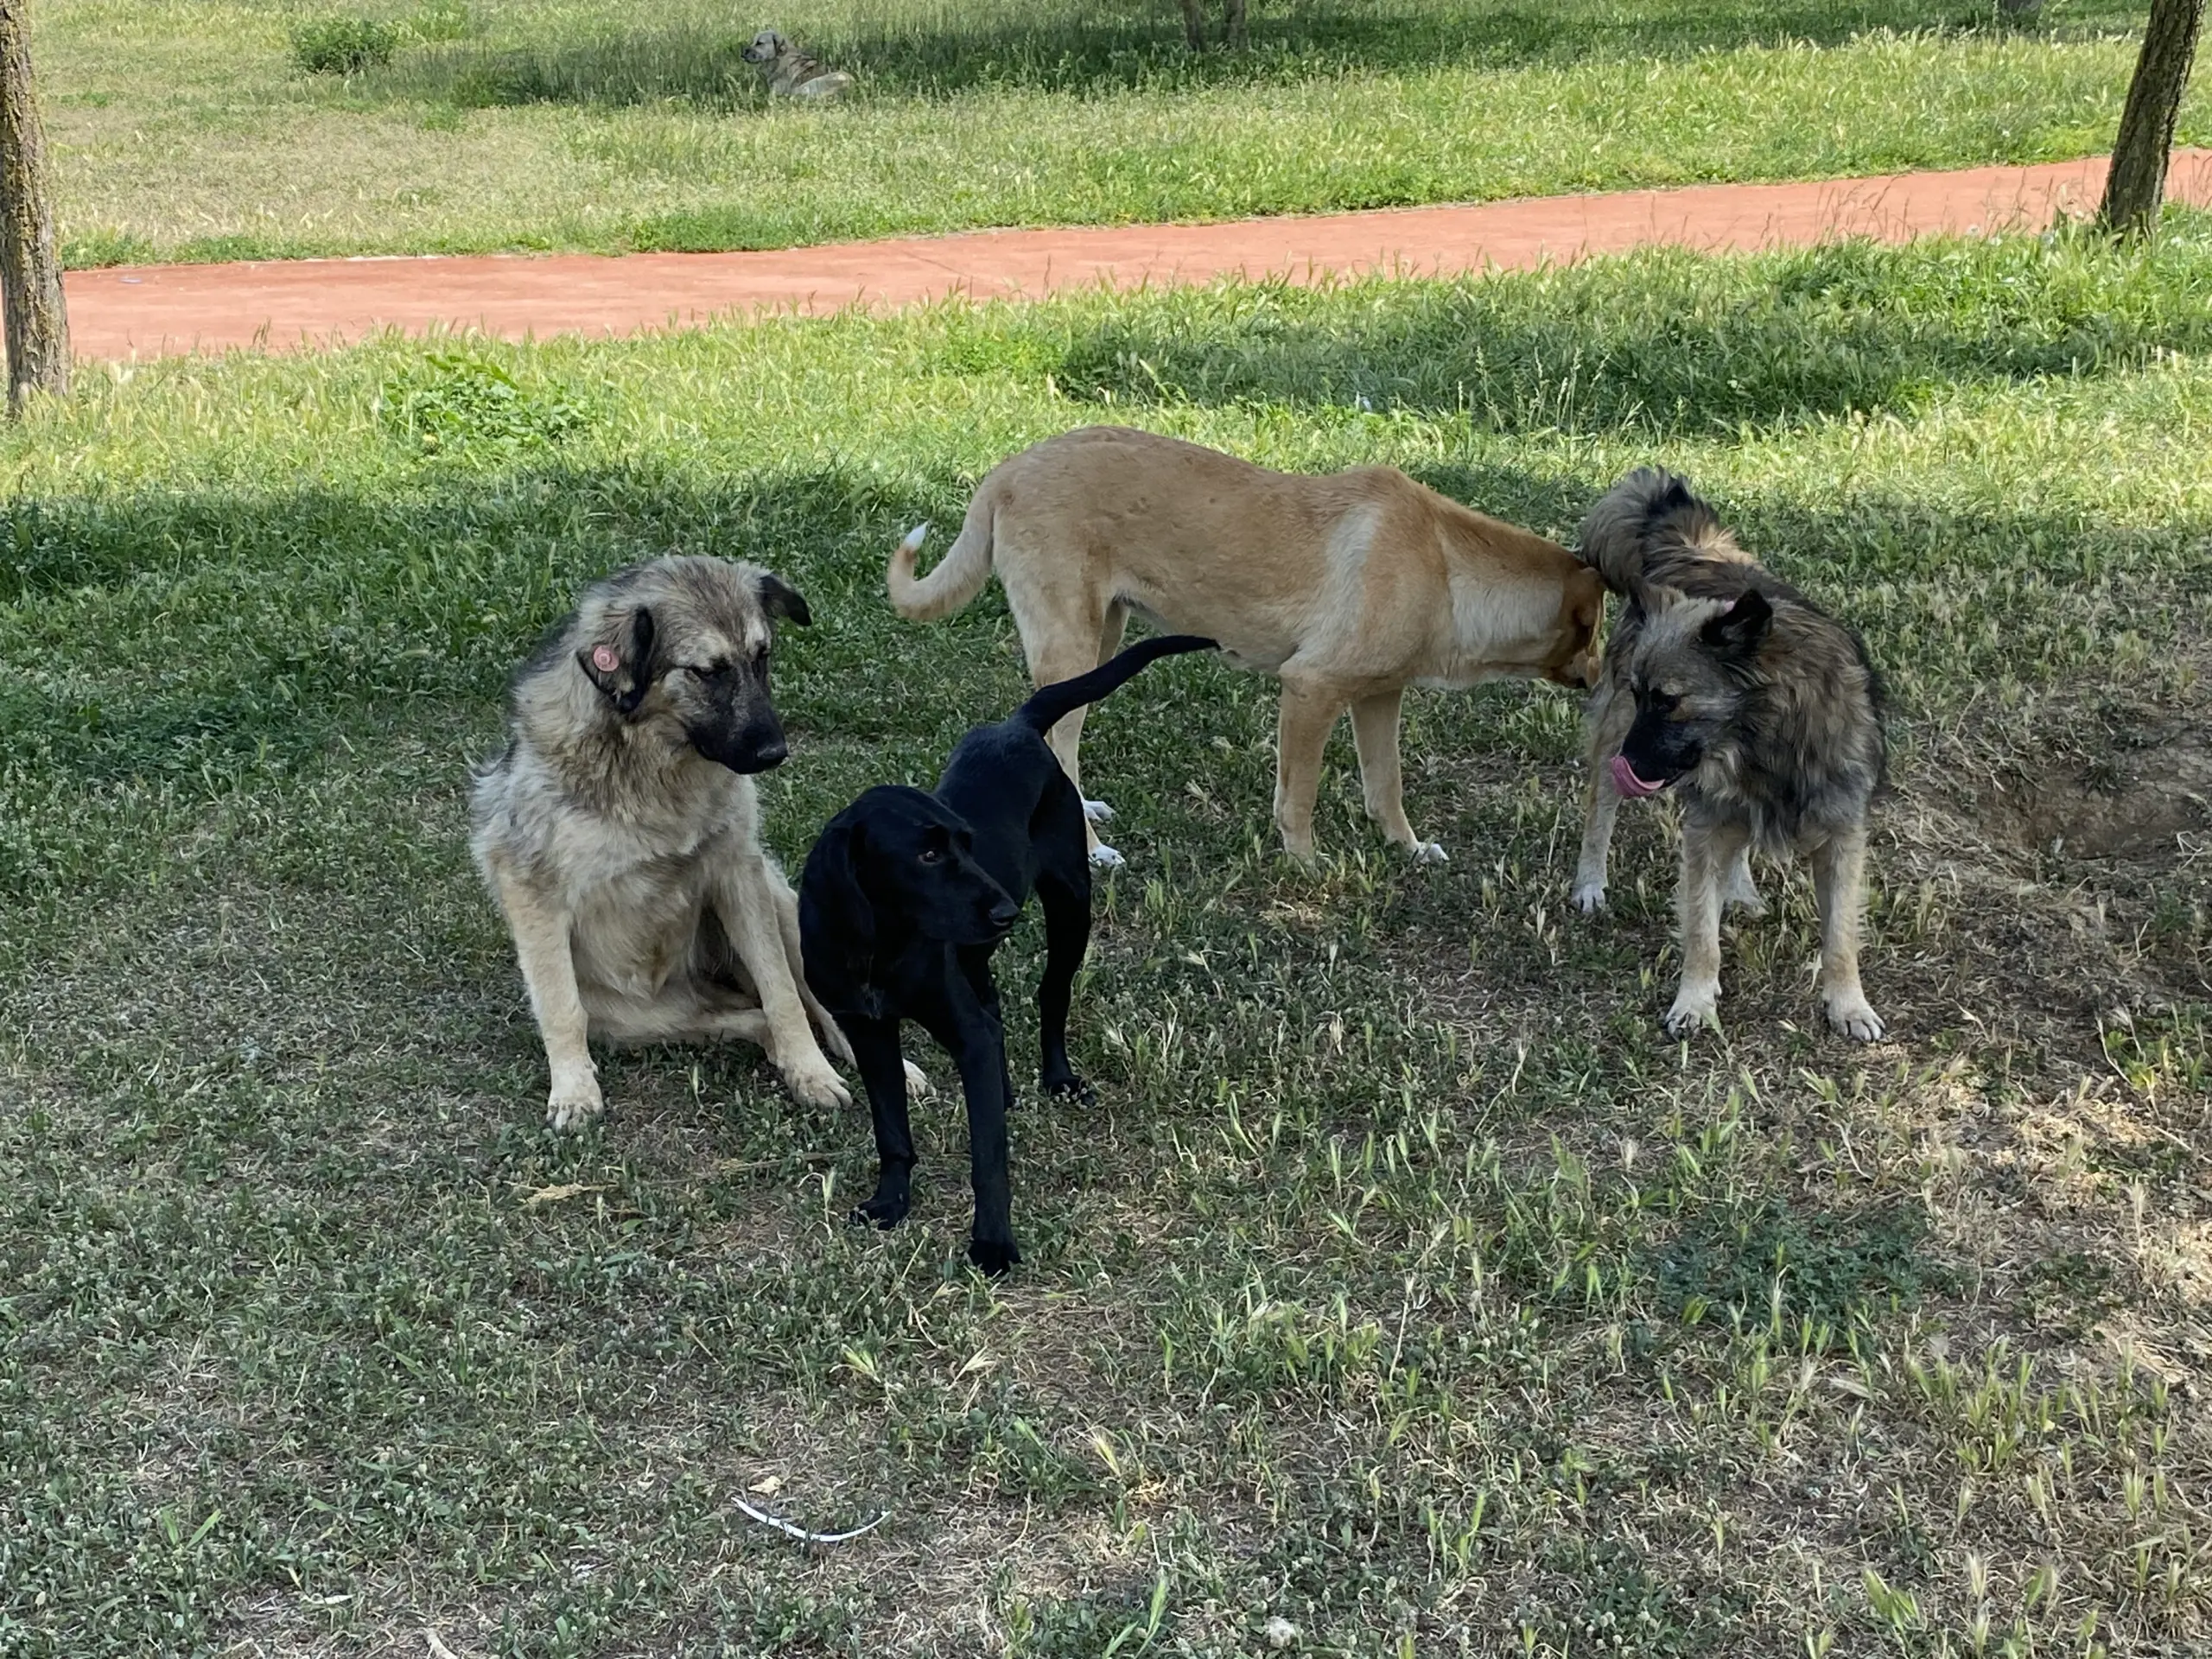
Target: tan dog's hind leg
pixel 1738 888
pixel 1062 652
pixel 1609 722
pixel 1839 885
pixel 1382 781
pixel 1110 641
pixel 746 899
pixel 1309 712
pixel 1706 853
pixel 549 970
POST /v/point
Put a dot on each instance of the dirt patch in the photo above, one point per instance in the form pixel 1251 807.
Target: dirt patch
pixel 2131 804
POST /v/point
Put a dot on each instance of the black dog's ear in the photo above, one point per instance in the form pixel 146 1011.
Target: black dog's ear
pixel 1742 628
pixel 780 598
pixel 841 922
pixel 624 668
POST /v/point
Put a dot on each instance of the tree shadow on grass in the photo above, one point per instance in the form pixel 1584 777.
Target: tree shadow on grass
pixel 1660 344
pixel 1131 44
pixel 158 633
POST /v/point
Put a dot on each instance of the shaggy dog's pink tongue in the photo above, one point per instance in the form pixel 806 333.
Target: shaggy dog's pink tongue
pixel 1626 781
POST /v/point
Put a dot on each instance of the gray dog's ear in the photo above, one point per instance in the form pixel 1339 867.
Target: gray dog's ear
pixel 780 598
pixel 623 666
pixel 1740 630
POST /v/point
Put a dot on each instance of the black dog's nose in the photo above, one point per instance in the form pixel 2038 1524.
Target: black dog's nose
pixel 1002 915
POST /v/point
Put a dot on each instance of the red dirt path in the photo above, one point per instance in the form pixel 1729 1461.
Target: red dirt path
pixel 157 310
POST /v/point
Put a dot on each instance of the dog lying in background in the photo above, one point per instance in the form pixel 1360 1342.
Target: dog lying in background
pixel 1232 24
pixel 905 896
pixel 791 72
pixel 1348 587
pixel 1764 714
pixel 620 831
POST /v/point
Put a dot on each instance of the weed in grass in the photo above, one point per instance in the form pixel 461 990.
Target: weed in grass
pixel 342 45
pixel 1824 1266
pixel 452 404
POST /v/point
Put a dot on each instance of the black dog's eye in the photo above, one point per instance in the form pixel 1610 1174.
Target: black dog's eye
pixel 932 855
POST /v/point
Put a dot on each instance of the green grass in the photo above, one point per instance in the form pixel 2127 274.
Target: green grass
pixel 186 130
pixel 1405 1283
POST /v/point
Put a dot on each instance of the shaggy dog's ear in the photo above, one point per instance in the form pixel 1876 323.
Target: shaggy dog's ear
pixel 1739 632
pixel 622 666
pixel 781 600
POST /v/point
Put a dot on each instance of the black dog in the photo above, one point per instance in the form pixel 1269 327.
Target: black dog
pixel 906 895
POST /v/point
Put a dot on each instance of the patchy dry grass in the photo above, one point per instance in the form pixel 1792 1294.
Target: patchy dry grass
pixel 188 130
pixel 1406 1283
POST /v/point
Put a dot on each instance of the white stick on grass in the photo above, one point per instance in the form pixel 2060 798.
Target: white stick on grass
pixel 800 1533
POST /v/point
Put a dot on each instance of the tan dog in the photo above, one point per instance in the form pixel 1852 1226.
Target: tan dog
pixel 1349 587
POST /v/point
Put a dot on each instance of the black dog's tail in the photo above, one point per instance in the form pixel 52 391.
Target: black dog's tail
pixel 1043 711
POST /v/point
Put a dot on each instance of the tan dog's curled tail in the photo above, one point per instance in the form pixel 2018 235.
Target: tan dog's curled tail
pixel 959 577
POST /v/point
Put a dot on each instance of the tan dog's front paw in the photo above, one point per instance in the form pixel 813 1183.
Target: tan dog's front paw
pixel 919 1086
pixel 573 1102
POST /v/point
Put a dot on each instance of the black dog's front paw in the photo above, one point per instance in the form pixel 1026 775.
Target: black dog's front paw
pixel 993 1257
pixel 1071 1088
pixel 884 1210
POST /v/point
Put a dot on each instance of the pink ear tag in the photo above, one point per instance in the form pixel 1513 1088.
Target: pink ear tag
pixel 604 659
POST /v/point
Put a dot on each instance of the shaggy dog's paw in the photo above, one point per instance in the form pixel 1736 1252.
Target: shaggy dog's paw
pixel 1071 1088
pixel 1694 1010
pixel 1105 858
pixel 993 1257
pixel 813 1083
pixel 880 1211
pixel 918 1083
pixel 1856 1019
pixel 1430 852
pixel 572 1104
pixel 1588 897
pixel 1098 811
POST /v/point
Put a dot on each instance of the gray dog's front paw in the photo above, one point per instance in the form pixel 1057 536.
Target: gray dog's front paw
pixel 1695 1009
pixel 1855 1018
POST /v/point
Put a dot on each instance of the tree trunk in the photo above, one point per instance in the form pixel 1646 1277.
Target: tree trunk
pixel 1194 26
pixel 2138 181
pixel 37 332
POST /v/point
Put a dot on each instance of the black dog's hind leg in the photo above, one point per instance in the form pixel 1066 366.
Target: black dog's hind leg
pixel 883 1072
pixel 1066 904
